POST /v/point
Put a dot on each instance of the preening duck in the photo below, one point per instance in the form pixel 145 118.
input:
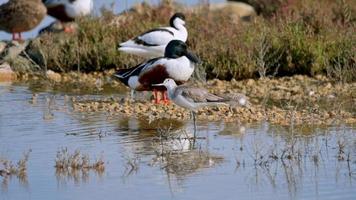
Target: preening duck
pixel 178 64
pixel 18 16
pixel 152 43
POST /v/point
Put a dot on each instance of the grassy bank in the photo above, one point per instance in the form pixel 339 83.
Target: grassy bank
pixel 296 37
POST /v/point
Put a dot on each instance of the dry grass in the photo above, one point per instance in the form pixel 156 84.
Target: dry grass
pixel 294 37
pixel 66 161
pixel 291 156
pixel 8 169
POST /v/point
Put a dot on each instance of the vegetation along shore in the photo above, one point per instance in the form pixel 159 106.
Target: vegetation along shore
pixel 295 60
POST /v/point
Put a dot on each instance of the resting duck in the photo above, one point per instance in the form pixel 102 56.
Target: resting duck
pixel 17 16
pixel 152 43
pixel 178 64
pixel 68 10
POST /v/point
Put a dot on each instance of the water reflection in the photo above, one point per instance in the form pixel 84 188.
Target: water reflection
pixel 170 145
pixel 298 160
pixel 275 159
pixel 252 160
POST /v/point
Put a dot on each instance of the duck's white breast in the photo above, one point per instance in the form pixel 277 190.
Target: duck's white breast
pixel 180 69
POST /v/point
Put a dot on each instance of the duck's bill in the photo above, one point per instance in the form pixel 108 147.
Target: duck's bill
pixel 161 84
pixel 191 56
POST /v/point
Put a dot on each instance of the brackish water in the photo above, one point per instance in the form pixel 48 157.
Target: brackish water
pixel 159 160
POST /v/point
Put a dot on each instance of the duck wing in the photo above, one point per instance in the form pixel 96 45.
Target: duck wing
pixel 154 37
pixel 197 95
pixel 124 74
pixel 5 13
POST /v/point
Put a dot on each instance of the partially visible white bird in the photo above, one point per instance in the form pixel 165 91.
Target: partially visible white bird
pixel 68 10
pixel 152 43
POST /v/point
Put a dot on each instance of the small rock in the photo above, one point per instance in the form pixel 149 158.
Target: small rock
pixel 237 10
pixel 54 76
pixel 6 73
pixel 250 82
pixel 331 96
pixel 328 86
pixel 311 93
pixel 218 83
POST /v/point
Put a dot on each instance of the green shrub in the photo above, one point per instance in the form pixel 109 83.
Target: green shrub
pixel 341 59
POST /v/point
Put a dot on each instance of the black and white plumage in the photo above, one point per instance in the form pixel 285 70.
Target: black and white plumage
pixel 68 10
pixel 152 43
pixel 178 63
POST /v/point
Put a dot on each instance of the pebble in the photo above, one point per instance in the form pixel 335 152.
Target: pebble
pixel 6 73
pixel 53 76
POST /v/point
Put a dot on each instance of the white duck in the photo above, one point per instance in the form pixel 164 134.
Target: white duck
pixel 152 43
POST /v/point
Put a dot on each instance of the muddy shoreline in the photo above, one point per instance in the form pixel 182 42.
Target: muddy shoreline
pixel 296 100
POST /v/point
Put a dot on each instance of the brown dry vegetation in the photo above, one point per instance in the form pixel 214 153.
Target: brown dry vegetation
pixel 77 161
pixel 8 169
pixel 294 37
pixel 76 166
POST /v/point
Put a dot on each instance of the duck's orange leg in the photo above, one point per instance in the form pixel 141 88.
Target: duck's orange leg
pixel 165 98
pixel 67 29
pixel 155 95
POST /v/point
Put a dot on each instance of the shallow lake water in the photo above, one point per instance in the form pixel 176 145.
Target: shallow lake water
pixel 159 159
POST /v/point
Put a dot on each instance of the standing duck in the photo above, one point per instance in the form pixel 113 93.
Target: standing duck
pixel 152 43
pixel 17 16
pixel 178 64
pixel 68 10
